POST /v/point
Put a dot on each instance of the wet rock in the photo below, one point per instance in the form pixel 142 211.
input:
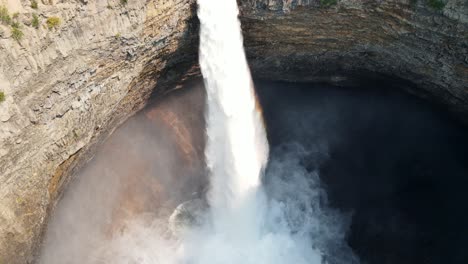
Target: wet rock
pixel 187 214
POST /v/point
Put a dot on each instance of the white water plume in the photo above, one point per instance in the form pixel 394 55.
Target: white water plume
pixel 244 226
pixel 237 149
pixel 282 221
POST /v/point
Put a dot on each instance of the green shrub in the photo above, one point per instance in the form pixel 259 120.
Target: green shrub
pixel 53 22
pixel 15 15
pixel 34 4
pixel 35 21
pixel 2 96
pixel 123 2
pixel 16 33
pixel 436 4
pixel 15 24
pixel 328 2
pixel 5 17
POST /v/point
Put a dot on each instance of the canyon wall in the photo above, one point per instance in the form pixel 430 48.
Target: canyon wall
pixel 68 82
pixel 415 40
pixel 69 85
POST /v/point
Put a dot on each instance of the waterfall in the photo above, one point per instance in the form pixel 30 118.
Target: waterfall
pixel 277 220
pixel 244 226
pixel 237 149
pixel 249 220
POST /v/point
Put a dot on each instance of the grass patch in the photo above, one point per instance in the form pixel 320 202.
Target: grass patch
pixel 34 4
pixel 35 21
pixel 328 3
pixel 15 24
pixel 5 17
pixel 53 22
pixel 436 4
pixel 16 32
pixel 2 96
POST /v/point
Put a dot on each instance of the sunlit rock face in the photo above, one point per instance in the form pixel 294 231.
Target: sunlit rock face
pixel 145 169
pixel 68 88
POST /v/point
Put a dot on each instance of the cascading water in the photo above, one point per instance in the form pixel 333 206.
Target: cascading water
pixel 237 148
pixel 244 227
pixel 276 220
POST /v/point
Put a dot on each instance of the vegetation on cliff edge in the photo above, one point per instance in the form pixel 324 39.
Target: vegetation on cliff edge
pixel 53 22
pixel 328 3
pixel 35 21
pixel 34 4
pixel 5 17
pixel 16 32
pixel 436 4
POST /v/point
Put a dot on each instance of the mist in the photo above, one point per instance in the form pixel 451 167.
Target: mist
pixel 236 219
pixel 139 175
pixel 394 163
pixel 119 207
pixel 337 182
pixel 191 179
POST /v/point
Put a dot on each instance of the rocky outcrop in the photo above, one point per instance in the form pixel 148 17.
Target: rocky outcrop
pixel 67 86
pixel 307 40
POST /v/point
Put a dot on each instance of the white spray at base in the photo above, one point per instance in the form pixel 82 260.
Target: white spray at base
pixel 250 221
pixel 237 148
pixel 280 219
pixel 242 227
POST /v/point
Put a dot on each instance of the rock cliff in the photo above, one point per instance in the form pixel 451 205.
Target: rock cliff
pixel 79 68
pixel 65 85
pixel 418 41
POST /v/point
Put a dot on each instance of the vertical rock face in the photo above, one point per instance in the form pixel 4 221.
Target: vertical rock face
pixel 136 178
pixel 64 85
pixel 327 40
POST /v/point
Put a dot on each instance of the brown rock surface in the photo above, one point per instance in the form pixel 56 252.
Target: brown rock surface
pixel 141 173
pixel 64 87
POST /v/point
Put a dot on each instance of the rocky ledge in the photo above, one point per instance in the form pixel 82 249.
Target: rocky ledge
pixel 79 68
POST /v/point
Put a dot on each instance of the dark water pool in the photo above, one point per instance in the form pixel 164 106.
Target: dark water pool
pixel 398 164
